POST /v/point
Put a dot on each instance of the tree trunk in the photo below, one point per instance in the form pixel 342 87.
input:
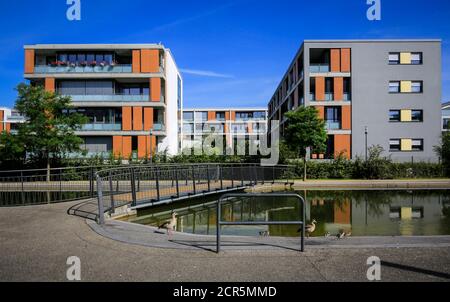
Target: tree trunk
pixel 48 169
pixel 304 168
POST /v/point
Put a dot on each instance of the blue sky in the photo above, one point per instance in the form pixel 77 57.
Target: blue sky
pixel 232 53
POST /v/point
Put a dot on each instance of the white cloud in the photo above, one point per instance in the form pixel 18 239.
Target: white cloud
pixel 206 73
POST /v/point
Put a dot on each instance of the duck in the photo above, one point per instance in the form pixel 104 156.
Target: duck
pixel 170 225
pixel 264 234
pixel 342 234
pixel 309 228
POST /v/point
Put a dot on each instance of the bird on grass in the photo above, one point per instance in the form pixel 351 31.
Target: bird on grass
pixel 309 228
pixel 170 225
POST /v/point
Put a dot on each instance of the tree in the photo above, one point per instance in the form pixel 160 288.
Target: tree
pixel 49 132
pixel 12 151
pixel 304 129
pixel 443 151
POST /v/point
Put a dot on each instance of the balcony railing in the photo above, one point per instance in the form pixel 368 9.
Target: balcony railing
pixel 347 97
pixel 84 69
pixel 318 68
pixel 159 127
pixel 332 125
pixel 112 97
pixel 101 127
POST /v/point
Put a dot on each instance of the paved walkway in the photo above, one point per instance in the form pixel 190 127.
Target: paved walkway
pixel 36 242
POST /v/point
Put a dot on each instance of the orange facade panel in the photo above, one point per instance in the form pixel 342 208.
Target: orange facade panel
pixel 346 117
pixel 342 144
pixel 227 115
pixel 127 147
pixel 138 124
pixel 335 58
pixel 29 60
pixel 127 119
pixel 148 119
pixel 233 116
pixel 342 212
pixel 50 84
pixel 149 60
pixel 211 115
pixel 320 88
pixel 136 61
pixel 117 146
pixel 321 111
pixel 346 60
pixel 2 116
pixel 338 89
pixel 143 152
pixel 155 89
pixel 8 127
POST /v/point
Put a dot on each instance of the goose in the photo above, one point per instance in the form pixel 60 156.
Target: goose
pixel 309 228
pixel 169 225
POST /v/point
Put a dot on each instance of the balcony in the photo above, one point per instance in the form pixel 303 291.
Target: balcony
pixel 332 125
pixel 84 69
pixel 110 98
pixel 319 68
pixel 101 127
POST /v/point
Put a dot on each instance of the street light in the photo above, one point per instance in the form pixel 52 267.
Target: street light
pixel 151 146
pixel 366 132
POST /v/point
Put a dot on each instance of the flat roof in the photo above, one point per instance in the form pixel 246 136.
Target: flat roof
pixel 92 46
pixel 227 109
pixel 373 40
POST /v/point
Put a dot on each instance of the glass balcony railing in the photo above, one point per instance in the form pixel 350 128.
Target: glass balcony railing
pixel 113 97
pixel 347 97
pixel 317 68
pixel 332 125
pixel 84 69
pixel 158 127
pixel 101 127
pixel 328 96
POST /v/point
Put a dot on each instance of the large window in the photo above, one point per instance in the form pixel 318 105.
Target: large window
pixel 416 58
pixel 394 115
pixel 86 88
pixel 220 116
pixel 394 87
pixel 417 115
pixel 394 58
pixel 395 145
pixel 417 145
pixel 417 87
pixel 201 116
pixel 188 116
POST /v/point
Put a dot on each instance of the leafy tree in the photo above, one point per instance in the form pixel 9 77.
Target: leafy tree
pixel 305 130
pixel 443 151
pixel 12 151
pixel 49 132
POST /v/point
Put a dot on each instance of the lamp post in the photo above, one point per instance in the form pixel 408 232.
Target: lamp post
pixel 366 132
pixel 151 146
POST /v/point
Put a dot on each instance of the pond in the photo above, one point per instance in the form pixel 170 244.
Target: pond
pixel 361 213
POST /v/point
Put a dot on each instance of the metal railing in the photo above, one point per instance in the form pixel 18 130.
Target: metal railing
pixel 221 223
pixel 39 186
pixel 148 185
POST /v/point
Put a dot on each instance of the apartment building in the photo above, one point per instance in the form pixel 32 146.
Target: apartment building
pixel 232 123
pixel 131 93
pixel 446 117
pixel 387 92
pixel 9 119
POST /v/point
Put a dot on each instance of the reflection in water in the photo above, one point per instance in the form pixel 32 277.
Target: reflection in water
pixel 361 213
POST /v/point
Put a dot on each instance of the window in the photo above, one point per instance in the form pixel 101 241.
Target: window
pixel 394 115
pixel 417 145
pixel 201 116
pixel 394 87
pixel 416 87
pixel 394 58
pixel 395 145
pixel 188 116
pixel 188 128
pixel 259 115
pixel 416 58
pixel 446 124
pixel 417 115
pixel 220 116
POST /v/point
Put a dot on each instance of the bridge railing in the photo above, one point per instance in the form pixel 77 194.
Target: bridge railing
pixel 146 185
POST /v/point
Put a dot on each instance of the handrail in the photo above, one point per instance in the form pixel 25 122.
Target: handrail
pixel 220 223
